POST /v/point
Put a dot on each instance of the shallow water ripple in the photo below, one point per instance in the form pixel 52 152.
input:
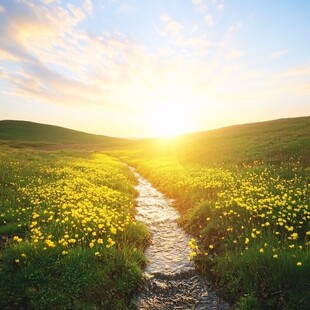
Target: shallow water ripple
pixel 171 280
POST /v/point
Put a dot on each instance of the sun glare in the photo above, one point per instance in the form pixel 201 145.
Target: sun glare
pixel 169 120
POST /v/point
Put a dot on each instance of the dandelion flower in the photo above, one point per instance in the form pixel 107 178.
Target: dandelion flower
pixel 192 254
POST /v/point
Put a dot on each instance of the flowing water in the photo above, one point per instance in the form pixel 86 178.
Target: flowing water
pixel 171 280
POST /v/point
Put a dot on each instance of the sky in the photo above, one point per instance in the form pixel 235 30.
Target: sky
pixel 144 68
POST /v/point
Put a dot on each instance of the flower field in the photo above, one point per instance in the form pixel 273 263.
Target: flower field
pixel 251 226
pixel 68 238
pixel 68 235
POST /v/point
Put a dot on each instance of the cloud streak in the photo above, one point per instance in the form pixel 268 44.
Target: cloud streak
pixel 278 54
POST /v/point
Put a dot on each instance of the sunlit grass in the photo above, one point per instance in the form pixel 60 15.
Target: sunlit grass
pixel 250 222
pixel 69 238
pixel 66 219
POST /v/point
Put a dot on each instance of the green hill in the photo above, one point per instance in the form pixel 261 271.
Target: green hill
pixel 272 141
pixel 24 131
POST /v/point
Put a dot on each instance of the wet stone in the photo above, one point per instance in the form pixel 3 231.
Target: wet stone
pixel 171 281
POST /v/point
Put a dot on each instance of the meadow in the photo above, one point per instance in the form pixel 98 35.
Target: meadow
pixel 244 194
pixel 250 225
pixel 68 235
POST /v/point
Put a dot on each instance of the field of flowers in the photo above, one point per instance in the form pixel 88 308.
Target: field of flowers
pixel 250 223
pixel 68 235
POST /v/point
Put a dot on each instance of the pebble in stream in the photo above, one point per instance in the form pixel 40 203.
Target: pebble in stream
pixel 172 282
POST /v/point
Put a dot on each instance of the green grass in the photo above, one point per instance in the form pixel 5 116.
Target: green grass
pixel 272 141
pixel 68 236
pixel 251 226
pixel 29 134
pixel 228 183
pixel 267 141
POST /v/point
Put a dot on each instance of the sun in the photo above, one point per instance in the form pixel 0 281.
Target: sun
pixel 169 120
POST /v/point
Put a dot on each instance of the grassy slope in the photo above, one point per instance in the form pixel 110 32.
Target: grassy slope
pixel 272 141
pixel 266 284
pixel 277 140
pixel 40 133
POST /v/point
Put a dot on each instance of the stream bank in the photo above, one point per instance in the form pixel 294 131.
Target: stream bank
pixel 171 279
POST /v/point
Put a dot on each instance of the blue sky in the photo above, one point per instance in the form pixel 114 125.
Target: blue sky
pixel 134 68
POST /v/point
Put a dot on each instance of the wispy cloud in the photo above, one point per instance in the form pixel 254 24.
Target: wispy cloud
pixel 58 71
pixel 88 6
pixel 210 10
pixel 220 7
pixel 48 1
pixel 280 53
pixel 235 54
pixel 125 8
pixel 67 66
pixel 171 27
pixel 209 19
pixel 297 89
pixel 295 80
pixel 303 71
pixel 197 2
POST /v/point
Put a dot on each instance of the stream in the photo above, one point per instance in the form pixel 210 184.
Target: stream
pixel 171 280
